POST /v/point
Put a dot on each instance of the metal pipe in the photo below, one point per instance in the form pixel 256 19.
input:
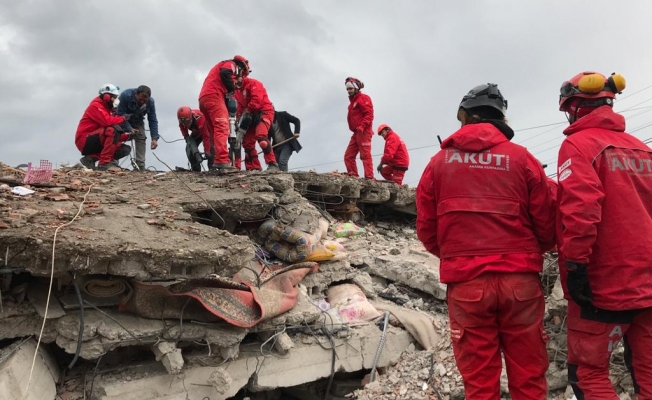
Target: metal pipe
pixel 380 347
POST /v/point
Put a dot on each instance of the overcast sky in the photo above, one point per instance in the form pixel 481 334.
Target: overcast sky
pixel 416 58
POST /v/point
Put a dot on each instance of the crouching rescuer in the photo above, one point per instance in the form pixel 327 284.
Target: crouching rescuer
pixel 485 209
pixel 256 116
pixel 395 160
pixel 99 136
pixel 604 238
pixel 195 130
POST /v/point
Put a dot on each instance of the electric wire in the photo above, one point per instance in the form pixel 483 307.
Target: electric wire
pixel 47 302
pixel 80 334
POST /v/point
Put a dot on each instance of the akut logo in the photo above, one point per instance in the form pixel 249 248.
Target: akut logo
pixel 484 160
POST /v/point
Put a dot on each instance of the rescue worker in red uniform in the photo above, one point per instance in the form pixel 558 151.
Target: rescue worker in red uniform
pixel 484 208
pixel 97 137
pixel 395 160
pixel 256 115
pixel 193 121
pixel 360 118
pixel 219 84
pixel 605 238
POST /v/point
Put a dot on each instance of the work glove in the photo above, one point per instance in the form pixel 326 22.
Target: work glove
pixel 577 284
pixel 380 168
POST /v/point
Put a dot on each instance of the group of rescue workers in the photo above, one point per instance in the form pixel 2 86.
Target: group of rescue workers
pixel 227 95
pixel 486 208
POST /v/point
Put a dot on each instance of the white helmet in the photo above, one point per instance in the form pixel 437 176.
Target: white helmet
pixel 110 88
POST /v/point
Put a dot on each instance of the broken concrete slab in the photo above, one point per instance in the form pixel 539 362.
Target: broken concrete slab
pixel 102 334
pixel 304 363
pixel 311 184
pixel 15 366
pixel 415 273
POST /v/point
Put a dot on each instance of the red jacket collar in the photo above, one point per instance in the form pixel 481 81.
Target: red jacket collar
pixel 475 137
pixel 355 96
pixel 603 117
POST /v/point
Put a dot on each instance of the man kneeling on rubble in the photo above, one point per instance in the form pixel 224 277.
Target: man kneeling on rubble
pixel 99 136
pixel 194 121
pixel 395 160
pixel 484 208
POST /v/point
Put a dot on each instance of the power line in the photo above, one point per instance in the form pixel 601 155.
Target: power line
pixel 554 126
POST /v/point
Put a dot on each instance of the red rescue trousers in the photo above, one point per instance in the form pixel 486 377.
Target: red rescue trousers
pixel 258 133
pixel 394 174
pixel 499 312
pixel 101 145
pixel 360 143
pixel 217 118
pixel 590 344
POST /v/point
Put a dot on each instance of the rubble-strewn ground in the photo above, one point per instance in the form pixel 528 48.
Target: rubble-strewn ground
pixel 165 228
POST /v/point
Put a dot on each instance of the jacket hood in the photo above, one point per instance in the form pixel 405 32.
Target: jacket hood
pixel 603 117
pixel 480 136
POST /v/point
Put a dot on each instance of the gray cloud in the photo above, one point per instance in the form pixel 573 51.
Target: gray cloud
pixel 416 58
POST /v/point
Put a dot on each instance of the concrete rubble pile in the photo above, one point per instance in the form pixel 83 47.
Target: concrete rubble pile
pixel 177 228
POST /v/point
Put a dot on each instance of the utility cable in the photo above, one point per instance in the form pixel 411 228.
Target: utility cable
pixel 192 191
pixel 47 302
pixel 80 334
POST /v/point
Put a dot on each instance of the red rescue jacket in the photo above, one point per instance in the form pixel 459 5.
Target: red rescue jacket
pixel 199 128
pixel 220 80
pixel 252 96
pixel 605 209
pixel 97 116
pixel 395 154
pixel 484 205
pixel 361 113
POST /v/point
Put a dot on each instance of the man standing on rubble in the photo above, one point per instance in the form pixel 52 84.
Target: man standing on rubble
pixel 194 121
pixel 218 86
pixel 139 102
pixel 484 208
pixel 281 132
pixel 360 118
pixel 395 160
pixel 605 239
pixel 99 136
pixel 256 114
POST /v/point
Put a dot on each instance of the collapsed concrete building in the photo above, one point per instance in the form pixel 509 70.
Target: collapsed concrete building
pixel 166 285
pixel 242 286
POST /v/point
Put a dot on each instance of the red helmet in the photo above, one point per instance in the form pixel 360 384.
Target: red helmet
pixel 243 63
pixel 383 126
pixel 590 85
pixel 184 115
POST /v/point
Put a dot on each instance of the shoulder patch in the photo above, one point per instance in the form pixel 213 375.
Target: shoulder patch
pixel 564 165
pixel 565 174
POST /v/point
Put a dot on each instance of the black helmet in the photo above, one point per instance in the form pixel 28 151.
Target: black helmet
pixel 486 95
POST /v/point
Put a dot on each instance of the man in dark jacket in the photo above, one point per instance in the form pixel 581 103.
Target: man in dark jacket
pixel 138 103
pixel 484 208
pixel 605 238
pixel 280 131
